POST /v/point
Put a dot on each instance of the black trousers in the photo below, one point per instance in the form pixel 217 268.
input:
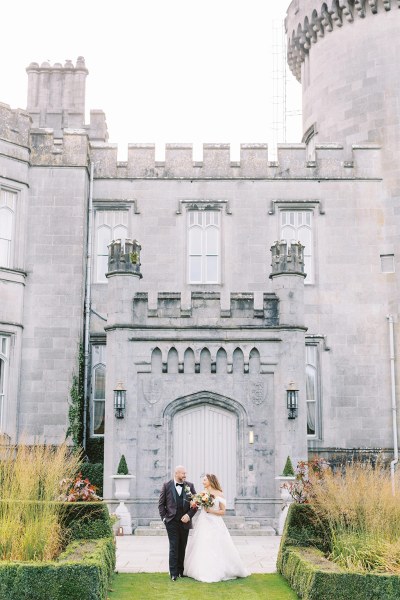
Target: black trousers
pixel 177 536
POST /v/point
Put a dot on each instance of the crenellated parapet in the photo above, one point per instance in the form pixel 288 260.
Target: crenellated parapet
pixel 124 257
pixel 14 125
pixel 287 258
pixel 206 308
pixel 71 150
pixel 309 20
pixel 330 161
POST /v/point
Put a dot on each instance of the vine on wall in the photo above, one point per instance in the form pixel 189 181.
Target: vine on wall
pixel 75 410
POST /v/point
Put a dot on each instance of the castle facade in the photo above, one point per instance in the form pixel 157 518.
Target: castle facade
pixel 238 312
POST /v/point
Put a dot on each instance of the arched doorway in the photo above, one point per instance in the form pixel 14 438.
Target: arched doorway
pixel 204 439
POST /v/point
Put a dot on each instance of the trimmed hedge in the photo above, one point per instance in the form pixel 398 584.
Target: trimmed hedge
pixel 83 575
pixel 86 520
pixel 301 561
pixel 94 472
pixel 82 572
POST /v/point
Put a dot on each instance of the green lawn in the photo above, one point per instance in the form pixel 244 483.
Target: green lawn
pixel 157 586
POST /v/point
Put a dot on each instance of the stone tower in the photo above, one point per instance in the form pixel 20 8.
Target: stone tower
pixel 345 53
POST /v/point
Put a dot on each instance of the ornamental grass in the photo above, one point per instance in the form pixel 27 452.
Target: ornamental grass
pixel 362 515
pixel 30 517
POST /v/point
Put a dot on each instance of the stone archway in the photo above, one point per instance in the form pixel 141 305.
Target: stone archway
pixel 205 433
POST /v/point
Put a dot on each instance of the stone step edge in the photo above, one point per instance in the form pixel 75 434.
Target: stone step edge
pixel 262 531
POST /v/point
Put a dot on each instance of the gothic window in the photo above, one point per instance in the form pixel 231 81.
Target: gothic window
pixel 312 391
pixel 98 390
pixel 109 225
pixel 7 227
pixel 204 246
pixel 4 343
pixel 296 226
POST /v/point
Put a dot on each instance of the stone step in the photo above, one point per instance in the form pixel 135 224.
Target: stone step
pixel 231 523
pixel 262 531
pixel 149 531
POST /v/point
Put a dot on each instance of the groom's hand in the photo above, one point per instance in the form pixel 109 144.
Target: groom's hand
pixel 185 519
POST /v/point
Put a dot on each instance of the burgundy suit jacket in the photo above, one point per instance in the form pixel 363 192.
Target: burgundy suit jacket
pixel 167 503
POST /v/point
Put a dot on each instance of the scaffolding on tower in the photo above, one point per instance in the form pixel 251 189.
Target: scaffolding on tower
pixel 280 112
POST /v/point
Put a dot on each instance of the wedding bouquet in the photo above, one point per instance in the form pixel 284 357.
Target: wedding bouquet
pixel 202 500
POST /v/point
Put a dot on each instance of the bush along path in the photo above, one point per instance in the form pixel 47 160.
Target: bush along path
pixel 158 586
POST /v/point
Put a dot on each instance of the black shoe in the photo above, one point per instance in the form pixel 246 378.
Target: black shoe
pixel 174 577
pixel 181 575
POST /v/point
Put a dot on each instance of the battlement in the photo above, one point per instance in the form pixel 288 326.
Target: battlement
pixel 309 20
pixel 124 258
pixel 14 125
pixel 206 308
pixel 331 161
pixel 71 150
pixel 287 259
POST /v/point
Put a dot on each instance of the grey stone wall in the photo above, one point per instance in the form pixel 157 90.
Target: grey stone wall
pixel 53 308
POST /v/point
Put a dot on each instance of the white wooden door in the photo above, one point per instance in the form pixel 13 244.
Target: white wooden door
pixel 205 441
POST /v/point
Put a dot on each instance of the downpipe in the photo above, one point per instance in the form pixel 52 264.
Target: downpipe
pixel 88 301
pixel 394 405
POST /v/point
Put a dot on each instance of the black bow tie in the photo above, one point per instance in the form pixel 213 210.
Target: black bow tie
pixel 180 484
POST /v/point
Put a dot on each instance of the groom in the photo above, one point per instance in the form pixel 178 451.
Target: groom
pixel 176 513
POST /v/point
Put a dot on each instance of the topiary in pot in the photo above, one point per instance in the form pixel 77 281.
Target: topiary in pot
pixel 122 467
pixel 288 470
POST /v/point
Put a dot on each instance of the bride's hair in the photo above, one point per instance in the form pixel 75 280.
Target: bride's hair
pixel 214 481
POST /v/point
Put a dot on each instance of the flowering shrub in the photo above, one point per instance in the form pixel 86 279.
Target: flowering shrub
pixel 308 474
pixel 78 490
pixel 202 500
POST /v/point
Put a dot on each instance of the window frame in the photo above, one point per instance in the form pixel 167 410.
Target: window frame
pixel 4 371
pixel 316 367
pixel 99 207
pixel 100 363
pixel 204 254
pixel 11 262
pixel 310 278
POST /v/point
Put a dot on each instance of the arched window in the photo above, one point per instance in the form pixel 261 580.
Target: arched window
pixel 296 226
pixel 4 344
pixel 7 227
pixel 204 246
pixel 97 425
pixel 312 391
pixel 110 225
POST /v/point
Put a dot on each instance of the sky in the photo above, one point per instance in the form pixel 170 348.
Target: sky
pixel 164 71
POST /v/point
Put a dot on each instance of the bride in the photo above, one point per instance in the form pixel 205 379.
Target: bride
pixel 211 554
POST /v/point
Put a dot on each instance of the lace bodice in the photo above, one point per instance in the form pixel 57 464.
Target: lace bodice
pixel 218 500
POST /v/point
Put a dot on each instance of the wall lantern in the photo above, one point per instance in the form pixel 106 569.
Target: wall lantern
pixel 251 436
pixel 119 400
pixel 292 396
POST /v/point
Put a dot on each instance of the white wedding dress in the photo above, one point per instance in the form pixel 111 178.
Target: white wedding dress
pixel 211 555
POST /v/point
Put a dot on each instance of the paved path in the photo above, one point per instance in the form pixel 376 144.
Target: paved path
pixel 142 554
